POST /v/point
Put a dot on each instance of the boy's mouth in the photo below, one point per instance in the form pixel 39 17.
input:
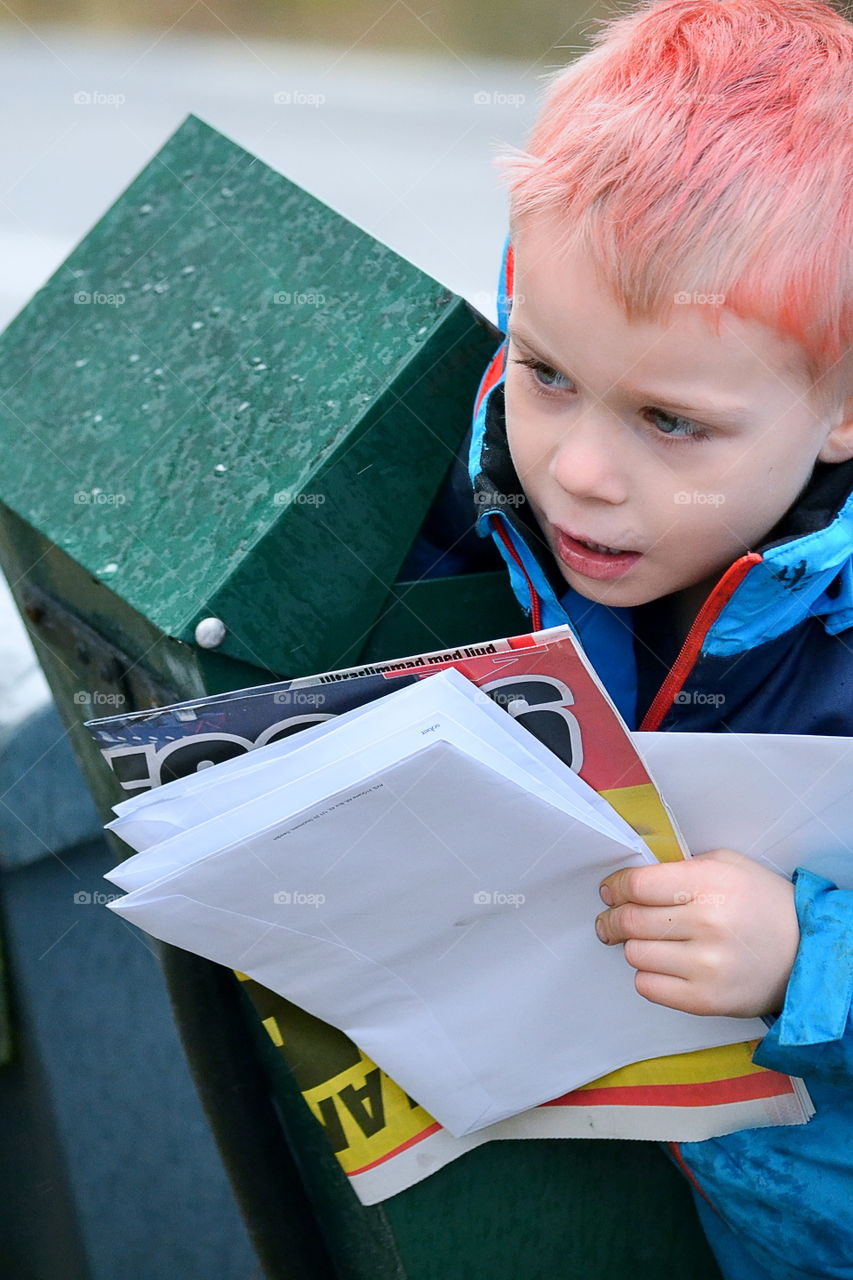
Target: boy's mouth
pixel 593 559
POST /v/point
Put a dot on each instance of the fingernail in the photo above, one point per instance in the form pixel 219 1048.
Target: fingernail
pixel 599 928
pixel 605 895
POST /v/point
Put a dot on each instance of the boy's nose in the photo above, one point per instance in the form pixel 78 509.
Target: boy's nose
pixel 590 461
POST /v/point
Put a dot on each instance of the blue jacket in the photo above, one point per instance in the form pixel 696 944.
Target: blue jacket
pixel 775 637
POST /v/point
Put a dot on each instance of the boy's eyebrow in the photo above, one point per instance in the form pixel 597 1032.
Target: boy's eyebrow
pixel 732 415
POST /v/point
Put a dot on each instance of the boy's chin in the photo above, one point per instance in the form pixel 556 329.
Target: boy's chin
pixel 684 601
pixel 620 593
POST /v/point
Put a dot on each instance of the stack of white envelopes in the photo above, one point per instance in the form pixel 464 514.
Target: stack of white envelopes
pixel 423 874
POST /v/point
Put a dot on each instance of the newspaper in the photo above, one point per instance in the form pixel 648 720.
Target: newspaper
pixel 385 1142
pixel 383 1139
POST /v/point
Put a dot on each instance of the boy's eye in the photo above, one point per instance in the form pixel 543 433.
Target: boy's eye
pixel 542 374
pixel 683 427
pixel 671 426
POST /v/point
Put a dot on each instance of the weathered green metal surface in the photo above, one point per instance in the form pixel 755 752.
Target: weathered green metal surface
pixel 231 401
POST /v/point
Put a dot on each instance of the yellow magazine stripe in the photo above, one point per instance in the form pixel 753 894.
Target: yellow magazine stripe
pixel 274 1031
pixel 366 1115
pixel 643 809
pixel 698 1067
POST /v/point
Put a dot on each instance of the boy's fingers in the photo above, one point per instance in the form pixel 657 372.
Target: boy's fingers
pixel 670 958
pixel 660 988
pixel 633 921
pixel 661 885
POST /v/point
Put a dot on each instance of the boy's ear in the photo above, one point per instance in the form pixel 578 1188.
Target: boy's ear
pixel 838 445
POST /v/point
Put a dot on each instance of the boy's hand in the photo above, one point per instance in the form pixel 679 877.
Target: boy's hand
pixel 713 934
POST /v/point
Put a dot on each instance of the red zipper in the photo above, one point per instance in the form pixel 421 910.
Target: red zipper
pixel 675 1148
pixel 535 607
pixel 689 651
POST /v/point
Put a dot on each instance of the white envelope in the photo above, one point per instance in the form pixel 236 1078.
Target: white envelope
pixel 783 799
pixel 183 821
pixel 454 942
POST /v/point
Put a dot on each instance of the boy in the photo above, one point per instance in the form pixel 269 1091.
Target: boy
pixel 663 453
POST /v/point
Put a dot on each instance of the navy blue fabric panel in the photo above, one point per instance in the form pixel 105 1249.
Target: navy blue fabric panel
pixel 802 682
pixel 447 542
pixel 608 641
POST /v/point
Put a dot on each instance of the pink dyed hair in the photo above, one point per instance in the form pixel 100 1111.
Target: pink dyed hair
pixel 705 145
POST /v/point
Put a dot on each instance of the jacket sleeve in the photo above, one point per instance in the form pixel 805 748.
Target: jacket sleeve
pixel 813 1033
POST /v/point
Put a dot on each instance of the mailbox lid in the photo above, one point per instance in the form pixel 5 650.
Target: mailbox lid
pixel 182 403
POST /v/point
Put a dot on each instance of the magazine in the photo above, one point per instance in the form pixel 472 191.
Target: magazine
pixel 544 680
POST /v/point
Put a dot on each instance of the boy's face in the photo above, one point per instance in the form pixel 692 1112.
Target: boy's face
pixel 664 440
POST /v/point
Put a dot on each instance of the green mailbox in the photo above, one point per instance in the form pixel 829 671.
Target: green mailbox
pixel 229 403
pixel 224 420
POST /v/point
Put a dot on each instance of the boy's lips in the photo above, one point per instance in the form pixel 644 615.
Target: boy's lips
pixel 577 535
pixel 591 561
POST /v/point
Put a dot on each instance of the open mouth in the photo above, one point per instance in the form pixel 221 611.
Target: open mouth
pixel 593 559
pixel 597 546
pixel 601 548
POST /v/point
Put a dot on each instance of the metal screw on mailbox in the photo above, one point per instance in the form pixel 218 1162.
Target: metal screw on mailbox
pixel 210 633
